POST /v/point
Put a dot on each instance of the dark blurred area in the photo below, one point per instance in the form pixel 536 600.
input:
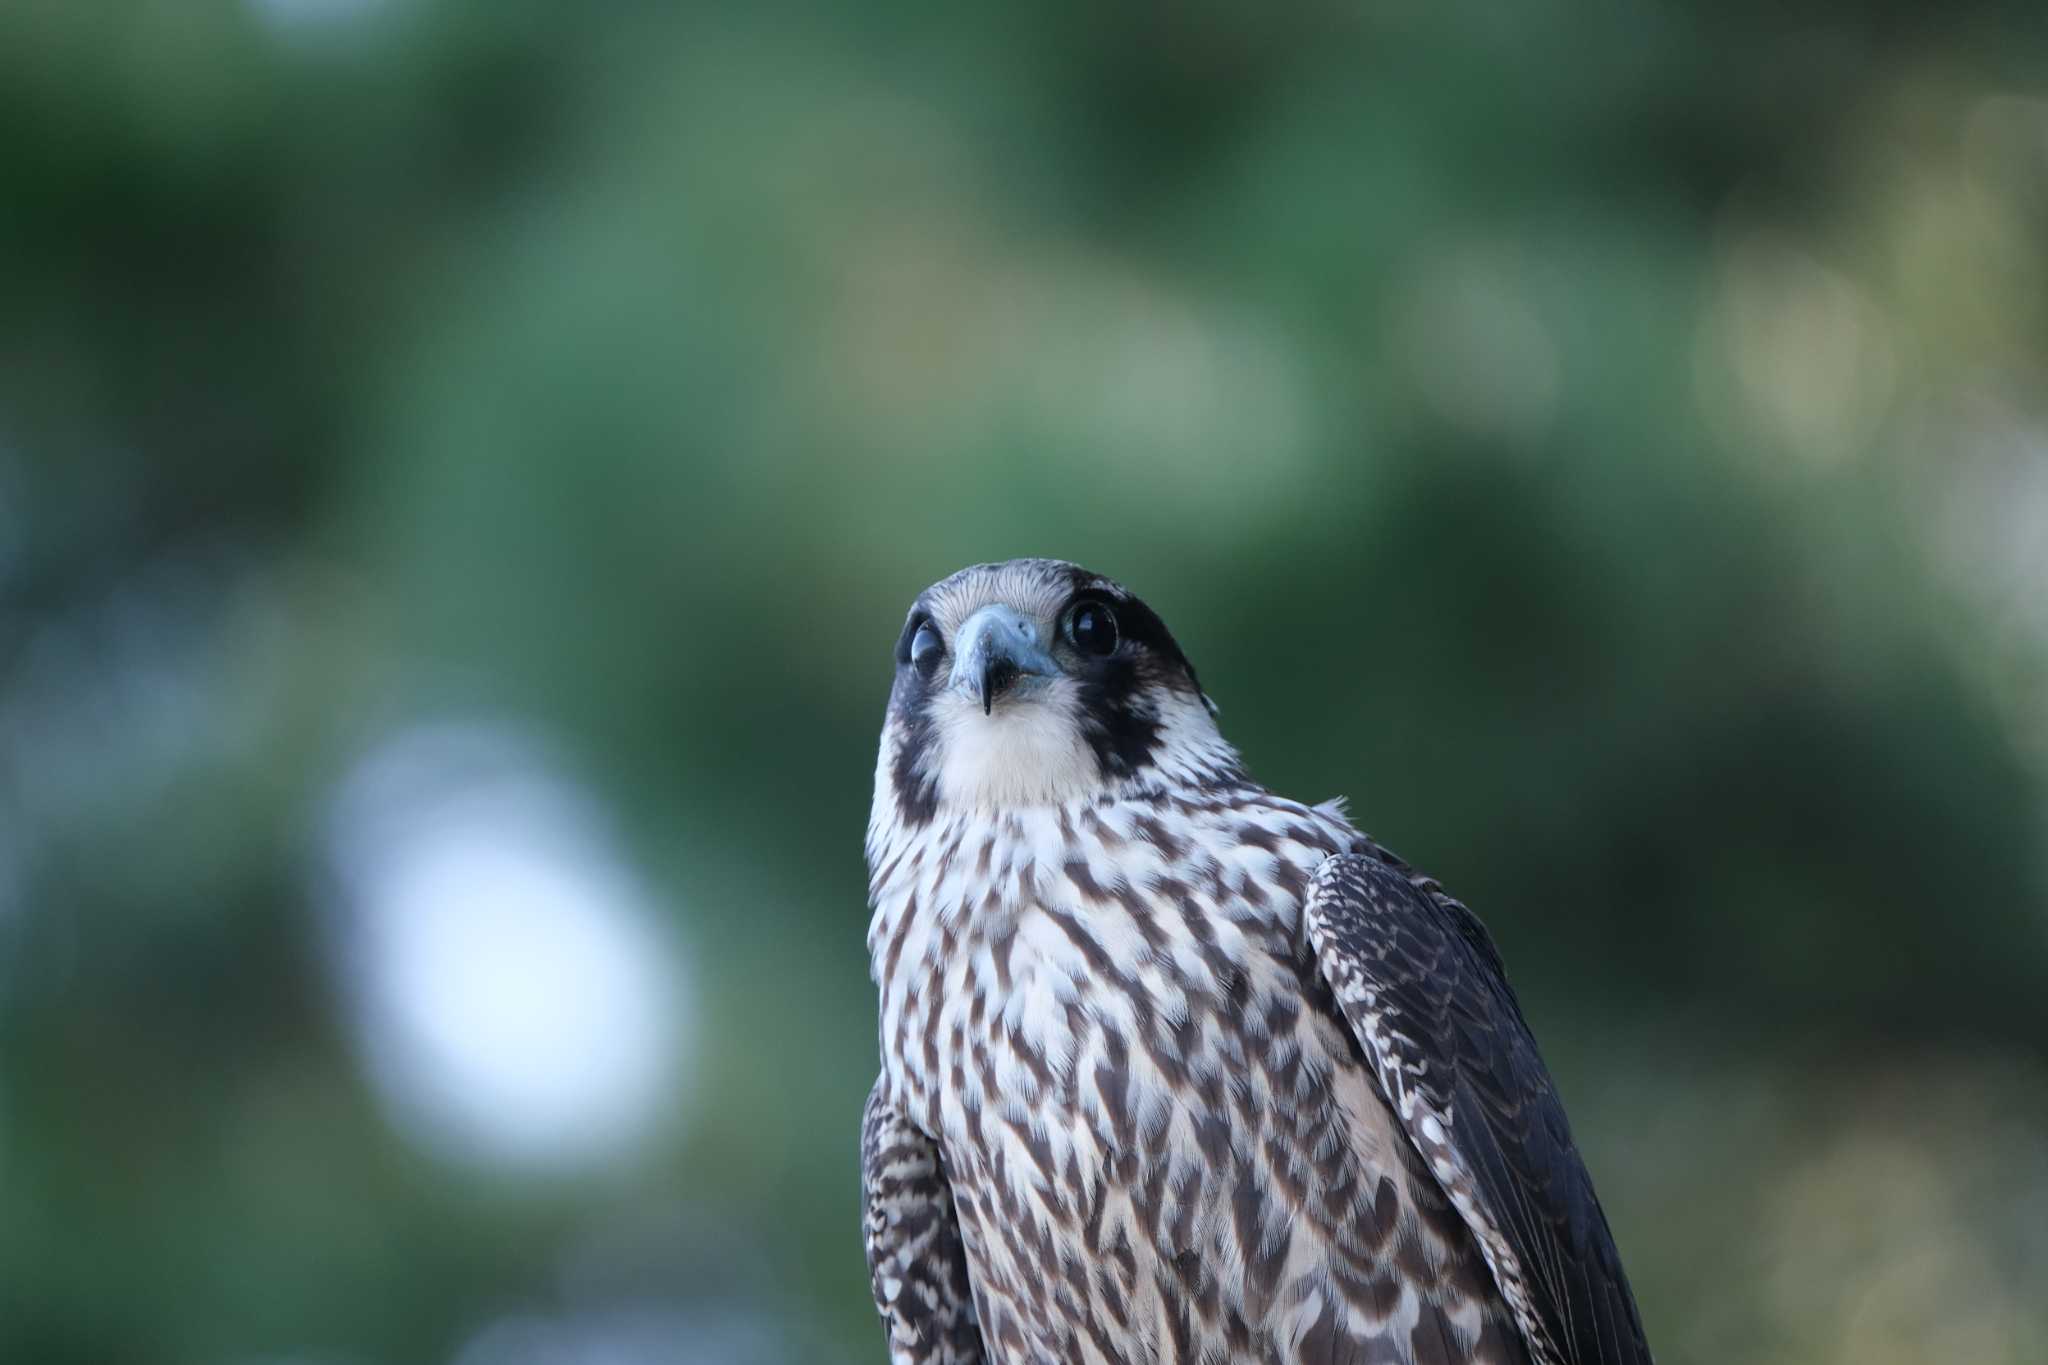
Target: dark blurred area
pixel 463 466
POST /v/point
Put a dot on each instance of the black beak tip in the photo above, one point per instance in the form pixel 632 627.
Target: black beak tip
pixel 997 674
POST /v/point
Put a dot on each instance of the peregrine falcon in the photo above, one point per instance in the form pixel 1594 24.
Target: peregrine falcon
pixel 1175 1069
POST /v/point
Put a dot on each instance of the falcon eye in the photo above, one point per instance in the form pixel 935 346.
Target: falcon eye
pixel 925 649
pixel 1091 628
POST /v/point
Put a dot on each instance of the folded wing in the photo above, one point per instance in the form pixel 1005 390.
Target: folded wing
pixel 1417 978
pixel 915 1257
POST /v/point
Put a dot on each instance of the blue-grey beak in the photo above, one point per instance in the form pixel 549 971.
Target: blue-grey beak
pixel 993 649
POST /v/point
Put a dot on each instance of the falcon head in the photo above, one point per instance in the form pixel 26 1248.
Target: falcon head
pixel 1036 682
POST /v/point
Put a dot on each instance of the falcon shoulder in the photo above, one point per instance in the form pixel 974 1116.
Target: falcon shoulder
pixel 916 1260
pixel 1419 981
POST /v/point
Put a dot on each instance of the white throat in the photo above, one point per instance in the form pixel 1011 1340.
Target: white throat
pixel 1026 754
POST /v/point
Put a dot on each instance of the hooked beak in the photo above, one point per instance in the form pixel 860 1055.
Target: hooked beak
pixel 995 648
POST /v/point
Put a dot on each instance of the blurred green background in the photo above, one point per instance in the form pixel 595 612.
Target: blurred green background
pixel 463 466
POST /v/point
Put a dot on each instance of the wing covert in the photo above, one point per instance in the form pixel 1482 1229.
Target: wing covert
pixel 916 1259
pixel 1417 978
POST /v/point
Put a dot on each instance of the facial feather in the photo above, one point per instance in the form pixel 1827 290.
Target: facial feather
pixel 1106 723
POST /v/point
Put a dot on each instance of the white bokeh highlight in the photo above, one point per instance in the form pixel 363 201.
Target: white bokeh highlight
pixel 637 1336
pixel 515 998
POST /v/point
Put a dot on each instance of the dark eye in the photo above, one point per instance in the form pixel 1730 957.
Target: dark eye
pixel 925 649
pixel 1091 628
